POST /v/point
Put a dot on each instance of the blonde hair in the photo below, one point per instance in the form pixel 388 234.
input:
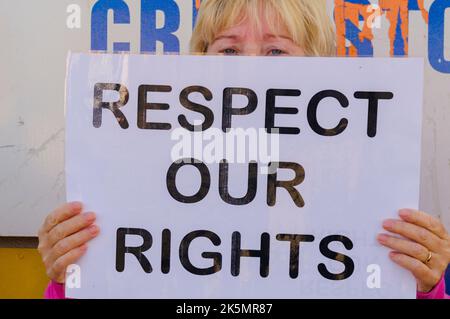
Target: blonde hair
pixel 307 21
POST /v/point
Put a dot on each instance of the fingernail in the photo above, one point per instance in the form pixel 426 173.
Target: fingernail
pixel 76 205
pixel 392 254
pixel 382 238
pixel 388 223
pixel 93 229
pixel 404 213
pixel 90 217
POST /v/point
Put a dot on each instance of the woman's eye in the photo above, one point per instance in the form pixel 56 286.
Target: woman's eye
pixel 229 51
pixel 276 52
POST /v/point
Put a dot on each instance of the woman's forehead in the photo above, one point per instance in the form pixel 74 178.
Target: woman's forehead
pixel 249 26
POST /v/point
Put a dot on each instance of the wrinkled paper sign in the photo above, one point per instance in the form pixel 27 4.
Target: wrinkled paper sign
pixel 241 177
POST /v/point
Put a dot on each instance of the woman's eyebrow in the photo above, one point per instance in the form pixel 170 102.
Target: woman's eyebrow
pixel 270 36
pixel 227 37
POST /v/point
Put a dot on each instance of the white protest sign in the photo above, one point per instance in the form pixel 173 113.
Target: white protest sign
pixel 345 156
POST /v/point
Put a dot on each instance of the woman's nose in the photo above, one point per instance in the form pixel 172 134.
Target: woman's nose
pixel 252 49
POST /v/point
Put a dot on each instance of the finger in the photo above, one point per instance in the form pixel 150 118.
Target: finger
pixel 69 227
pixel 416 233
pixel 61 214
pixel 420 271
pixel 404 246
pixel 73 241
pixel 425 220
pixel 58 270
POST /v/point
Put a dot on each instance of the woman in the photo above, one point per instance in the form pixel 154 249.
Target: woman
pixel 263 27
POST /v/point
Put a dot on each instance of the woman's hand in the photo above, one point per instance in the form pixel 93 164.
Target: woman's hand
pixel 424 249
pixel 63 238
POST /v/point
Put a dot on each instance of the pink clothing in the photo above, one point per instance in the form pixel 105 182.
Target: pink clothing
pixel 437 293
pixel 56 291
